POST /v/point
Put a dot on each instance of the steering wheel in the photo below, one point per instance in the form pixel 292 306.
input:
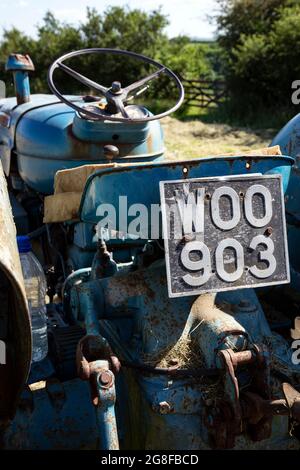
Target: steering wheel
pixel 116 96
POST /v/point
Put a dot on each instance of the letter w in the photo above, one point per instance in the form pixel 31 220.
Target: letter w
pixel 191 212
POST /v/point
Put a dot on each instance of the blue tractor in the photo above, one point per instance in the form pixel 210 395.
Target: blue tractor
pixel 169 304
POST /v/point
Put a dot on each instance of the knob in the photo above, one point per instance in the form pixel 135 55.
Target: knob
pixel 116 88
pixel 110 152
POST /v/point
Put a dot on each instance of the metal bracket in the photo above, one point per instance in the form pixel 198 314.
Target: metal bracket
pixel 252 410
pixel 94 358
pixel 226 421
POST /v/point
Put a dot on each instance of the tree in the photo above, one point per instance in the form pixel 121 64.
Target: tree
pixel 245 17
pixel 117 27
pixel 261 41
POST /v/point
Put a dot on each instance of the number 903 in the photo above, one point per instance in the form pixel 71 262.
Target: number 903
pixel 204 263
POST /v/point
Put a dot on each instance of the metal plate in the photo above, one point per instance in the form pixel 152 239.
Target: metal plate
pixel 224 233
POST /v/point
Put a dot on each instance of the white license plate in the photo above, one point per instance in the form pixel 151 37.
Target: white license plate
pixel 224 233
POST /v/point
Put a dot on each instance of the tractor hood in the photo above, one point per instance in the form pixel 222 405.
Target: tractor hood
pixel 45 135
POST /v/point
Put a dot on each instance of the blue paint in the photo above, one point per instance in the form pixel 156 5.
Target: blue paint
pixel 22 87
pixel 20 65
pixel 288 139
pixel 56 146
pixel 45 422
pixel 156 325
pixel 105 411
pixel 140 184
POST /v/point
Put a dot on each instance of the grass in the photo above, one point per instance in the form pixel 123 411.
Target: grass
pixel 239 115
pixel 192 132
pixel 193 138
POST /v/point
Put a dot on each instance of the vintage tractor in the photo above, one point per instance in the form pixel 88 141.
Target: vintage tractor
pixel 168 324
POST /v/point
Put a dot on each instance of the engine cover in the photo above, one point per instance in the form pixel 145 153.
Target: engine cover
pixel 47 136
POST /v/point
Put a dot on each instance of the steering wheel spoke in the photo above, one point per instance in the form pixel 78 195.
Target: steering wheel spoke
pixel 80 78
pixel 121 108
pixel 143 81
pixel 138 93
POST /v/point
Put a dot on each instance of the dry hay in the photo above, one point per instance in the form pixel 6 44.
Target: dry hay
pixel 194 138
pixel 186 352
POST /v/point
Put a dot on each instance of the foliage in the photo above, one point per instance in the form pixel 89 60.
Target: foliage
pixel 261 41
pixel 117 27
pixel 192 59
pixel 246 17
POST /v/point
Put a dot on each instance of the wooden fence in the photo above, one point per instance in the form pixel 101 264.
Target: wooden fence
pixel 203 93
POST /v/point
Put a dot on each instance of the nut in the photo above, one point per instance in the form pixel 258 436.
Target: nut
pixel 164 408
pixel 105 378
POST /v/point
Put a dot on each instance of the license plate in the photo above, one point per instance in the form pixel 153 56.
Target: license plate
pixel 224 233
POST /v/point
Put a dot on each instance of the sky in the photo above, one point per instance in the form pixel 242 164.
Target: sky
pixel 186 16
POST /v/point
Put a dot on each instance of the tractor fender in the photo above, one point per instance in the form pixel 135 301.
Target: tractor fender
pixel 15 328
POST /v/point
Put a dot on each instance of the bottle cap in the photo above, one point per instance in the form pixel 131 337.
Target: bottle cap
pixel 24 244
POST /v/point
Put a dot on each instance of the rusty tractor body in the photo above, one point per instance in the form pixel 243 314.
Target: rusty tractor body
pixel 169 296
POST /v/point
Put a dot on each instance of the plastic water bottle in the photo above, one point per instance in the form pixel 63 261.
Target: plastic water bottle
pixel 35 288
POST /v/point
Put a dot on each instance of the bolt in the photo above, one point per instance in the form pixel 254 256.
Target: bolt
pixel 105 378
pixel 115 87
pixel 269 231
pixel 164 407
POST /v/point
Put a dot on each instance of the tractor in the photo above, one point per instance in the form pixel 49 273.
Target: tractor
pixel 169 301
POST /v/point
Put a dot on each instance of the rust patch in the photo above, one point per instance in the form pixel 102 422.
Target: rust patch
pixel 149 142
pixel 93 151
pixel 120 288
pixel 4 119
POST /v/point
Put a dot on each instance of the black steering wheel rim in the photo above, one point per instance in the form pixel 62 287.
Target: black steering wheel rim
pixel 58 63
